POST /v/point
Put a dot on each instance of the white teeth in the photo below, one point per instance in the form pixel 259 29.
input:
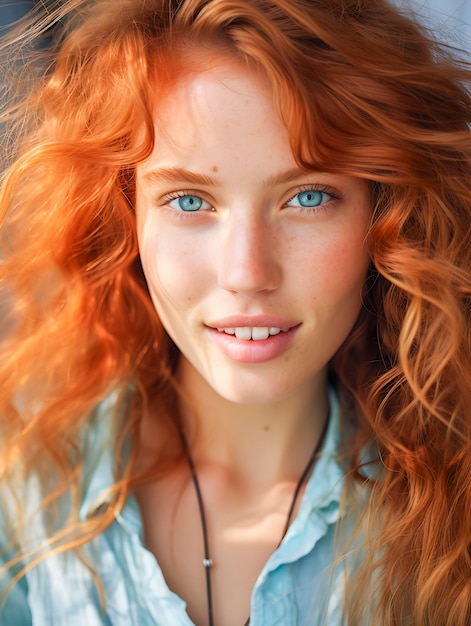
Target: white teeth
pixel 257 333
pixel 243 333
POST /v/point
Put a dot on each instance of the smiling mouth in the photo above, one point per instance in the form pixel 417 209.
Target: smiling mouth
pixel 255 333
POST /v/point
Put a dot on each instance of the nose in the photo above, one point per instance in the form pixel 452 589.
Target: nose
pixel 250 261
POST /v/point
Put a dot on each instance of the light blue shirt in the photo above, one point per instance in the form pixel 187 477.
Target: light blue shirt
pixel 297 586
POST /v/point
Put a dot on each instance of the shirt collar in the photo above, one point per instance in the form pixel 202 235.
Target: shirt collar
pixel 320 506
pixel 327 480
pixel 99 442
pixel 324 486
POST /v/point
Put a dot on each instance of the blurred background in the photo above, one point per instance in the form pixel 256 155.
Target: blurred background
pixel 11 10
pixel 451 19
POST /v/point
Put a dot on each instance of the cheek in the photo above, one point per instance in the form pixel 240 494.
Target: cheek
pixel 172 265
pixel 348 260
pixel 349 268
pixel 332 270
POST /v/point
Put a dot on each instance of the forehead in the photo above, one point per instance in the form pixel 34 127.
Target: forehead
pixel 221 113
pixel 219 94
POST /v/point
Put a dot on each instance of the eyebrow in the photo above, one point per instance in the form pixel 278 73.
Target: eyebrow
pixel 180 174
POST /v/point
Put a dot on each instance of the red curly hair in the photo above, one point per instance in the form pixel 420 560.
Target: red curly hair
pixel 363 92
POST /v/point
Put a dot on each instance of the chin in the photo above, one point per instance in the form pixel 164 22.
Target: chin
pixel 252 394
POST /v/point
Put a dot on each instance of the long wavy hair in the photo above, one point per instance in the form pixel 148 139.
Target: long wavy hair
pixel 364 92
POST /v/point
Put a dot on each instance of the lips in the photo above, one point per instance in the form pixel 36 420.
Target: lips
pixel 233 322
pixel 255 339
pixel 255 333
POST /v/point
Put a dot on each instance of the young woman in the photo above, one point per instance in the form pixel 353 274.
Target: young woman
pixel 236 346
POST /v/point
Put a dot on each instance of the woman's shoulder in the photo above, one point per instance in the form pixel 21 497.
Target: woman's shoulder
pixel 33 568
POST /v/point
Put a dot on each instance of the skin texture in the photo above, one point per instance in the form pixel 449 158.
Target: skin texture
pixel 246 252
pixel 253 413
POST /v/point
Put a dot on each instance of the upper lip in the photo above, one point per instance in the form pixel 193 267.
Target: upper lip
pixel 262 321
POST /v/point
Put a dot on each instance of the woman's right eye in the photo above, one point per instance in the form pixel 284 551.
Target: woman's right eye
pixel 189 203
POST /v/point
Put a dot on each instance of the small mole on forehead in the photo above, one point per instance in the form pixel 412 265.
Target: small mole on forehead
pixel 266 428
pixel 215 168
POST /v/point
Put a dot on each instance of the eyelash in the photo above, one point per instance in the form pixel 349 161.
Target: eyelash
pixel 333 193
pixel 330 191
pixel 181 194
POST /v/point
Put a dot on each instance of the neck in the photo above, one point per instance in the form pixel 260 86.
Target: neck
pixel 259 444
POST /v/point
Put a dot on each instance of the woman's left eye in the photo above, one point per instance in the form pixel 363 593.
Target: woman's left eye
pixel 310 198
pixel 189 203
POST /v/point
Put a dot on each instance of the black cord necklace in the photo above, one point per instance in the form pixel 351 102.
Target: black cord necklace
pixel 207 562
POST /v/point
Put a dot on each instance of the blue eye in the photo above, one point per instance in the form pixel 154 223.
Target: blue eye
pixel 310 198
pixel 189 203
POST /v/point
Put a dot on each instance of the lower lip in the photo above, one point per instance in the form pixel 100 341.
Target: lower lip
pixel 253 351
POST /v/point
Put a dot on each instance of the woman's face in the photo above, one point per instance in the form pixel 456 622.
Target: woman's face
pixel 255 267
